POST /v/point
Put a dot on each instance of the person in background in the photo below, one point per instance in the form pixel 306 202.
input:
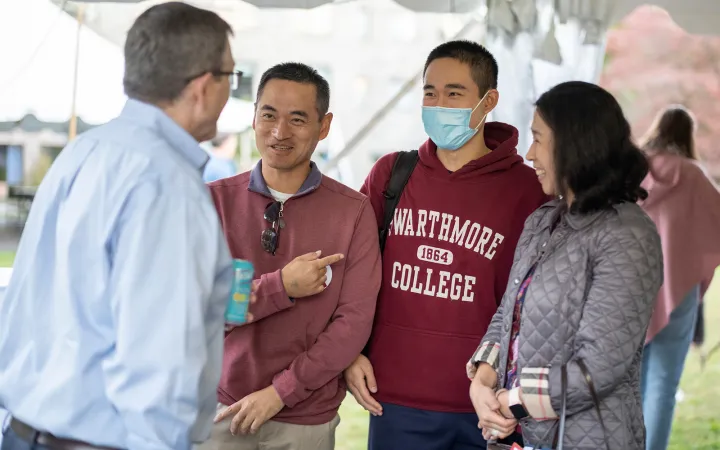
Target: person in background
pixel 112 326
pixel 446 259
pixel 586 272
pixel 314 245
pixel 222 151
pixel 684 203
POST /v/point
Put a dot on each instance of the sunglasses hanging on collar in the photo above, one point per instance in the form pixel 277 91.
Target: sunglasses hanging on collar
pixel 271 236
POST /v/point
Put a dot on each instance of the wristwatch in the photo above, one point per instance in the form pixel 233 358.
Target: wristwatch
pixel 516 407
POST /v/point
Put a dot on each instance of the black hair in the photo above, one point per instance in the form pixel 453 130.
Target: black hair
pixel 169 44
pixel 594 156
pixel 299 73
pixel 483 66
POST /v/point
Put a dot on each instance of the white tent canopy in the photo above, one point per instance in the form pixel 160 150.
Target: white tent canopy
pixel 38 60
pixel 696 16
pixel 538 43
pixel 443 6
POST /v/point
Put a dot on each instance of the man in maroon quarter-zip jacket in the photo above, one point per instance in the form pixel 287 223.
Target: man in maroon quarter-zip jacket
pixel 314 244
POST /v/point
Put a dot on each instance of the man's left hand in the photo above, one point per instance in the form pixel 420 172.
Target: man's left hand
pixel 252 411
pixel 248 317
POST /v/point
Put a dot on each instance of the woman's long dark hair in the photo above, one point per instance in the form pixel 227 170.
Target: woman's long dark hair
pixel 594 156
pixel 672 131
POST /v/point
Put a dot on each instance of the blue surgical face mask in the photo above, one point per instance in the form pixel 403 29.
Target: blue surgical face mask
pixel 449 128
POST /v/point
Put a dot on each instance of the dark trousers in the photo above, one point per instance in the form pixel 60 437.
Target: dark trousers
pixel 12 441
pixel 401 428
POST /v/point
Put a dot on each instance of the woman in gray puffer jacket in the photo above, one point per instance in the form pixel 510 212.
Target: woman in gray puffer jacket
pixel 586 272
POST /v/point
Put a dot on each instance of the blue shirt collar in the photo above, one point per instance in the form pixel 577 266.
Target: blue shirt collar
pixel 258 184
pixel 180 140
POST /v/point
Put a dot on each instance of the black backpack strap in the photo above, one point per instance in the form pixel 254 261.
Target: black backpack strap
pixel 401 171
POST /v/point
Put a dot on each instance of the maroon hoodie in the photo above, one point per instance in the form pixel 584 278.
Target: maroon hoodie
pixel 445 267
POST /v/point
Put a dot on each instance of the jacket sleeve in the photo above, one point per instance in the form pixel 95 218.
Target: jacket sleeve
pixel 626 276
pixel 349 328
pixel 271 296
pixel 706 219
pixel 489 349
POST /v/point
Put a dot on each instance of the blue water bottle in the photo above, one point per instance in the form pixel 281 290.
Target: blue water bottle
pixel 239 300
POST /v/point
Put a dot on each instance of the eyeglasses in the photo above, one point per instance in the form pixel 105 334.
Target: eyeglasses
pixel 270 237
pixel 234 76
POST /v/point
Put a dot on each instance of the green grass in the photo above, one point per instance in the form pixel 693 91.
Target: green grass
pixel 7 259
pixel 352 432
pixel 697 418
pixel 697 422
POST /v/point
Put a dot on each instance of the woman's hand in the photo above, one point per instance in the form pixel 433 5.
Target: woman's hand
pixel 487 408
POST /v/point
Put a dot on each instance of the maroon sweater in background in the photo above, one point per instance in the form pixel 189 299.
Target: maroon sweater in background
pixel 301 347
pixel 445 267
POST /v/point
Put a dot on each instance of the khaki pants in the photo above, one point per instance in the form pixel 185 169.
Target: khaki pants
pixel 273 436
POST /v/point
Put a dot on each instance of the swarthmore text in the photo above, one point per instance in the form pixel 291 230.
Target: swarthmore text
pixel 441 285
pixel 421 223
pixel 442 227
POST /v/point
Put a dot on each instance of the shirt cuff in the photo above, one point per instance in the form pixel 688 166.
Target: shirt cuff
pixel 487 352
pixel 535 386
pixel 514 397
pixel 276 286
pixel 285 384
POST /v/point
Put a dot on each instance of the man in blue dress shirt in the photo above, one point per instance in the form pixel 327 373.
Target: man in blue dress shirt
pixel 112 326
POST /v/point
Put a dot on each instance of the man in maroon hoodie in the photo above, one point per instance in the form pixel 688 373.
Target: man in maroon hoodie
pixel 314 244
pixel 446 259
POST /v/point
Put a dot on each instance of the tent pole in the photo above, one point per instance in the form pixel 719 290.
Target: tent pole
pixel 72 131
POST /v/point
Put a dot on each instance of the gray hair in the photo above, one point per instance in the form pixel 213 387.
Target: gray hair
pixel 167 46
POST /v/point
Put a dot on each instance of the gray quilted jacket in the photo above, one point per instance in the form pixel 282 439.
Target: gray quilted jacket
pixel 590 298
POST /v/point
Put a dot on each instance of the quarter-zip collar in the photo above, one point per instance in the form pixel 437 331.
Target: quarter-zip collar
pixel 258 185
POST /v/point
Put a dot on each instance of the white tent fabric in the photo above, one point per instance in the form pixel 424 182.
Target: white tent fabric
pixel 538 43
pixel 38 66
pixel 38 56
pixel 696 16
pixel 442 6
